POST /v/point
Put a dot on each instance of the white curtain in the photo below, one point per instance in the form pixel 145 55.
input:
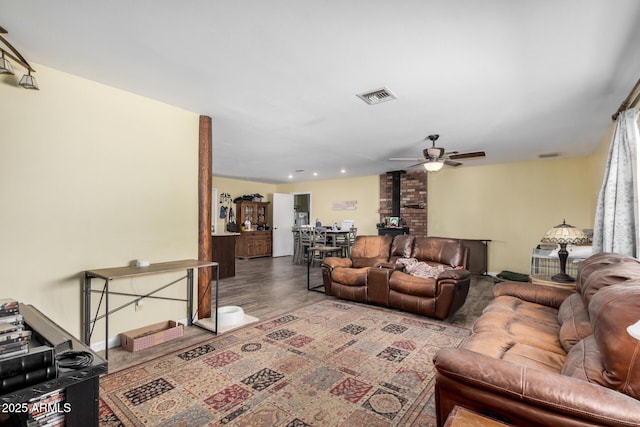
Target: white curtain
pixel 616 222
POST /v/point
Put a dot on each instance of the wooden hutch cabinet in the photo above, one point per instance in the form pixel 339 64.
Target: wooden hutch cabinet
pixel 257 241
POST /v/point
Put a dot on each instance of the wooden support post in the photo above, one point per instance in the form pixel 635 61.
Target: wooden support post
pixel 205 171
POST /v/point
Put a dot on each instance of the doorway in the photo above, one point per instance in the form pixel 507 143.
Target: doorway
pixel 302 209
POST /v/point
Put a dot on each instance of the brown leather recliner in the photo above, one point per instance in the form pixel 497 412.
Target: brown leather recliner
pixel 372 275
pixel 347 277
pixel 547 356
pixel 440 296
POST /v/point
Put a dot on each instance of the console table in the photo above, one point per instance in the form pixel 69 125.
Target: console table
pixel 109 274
pixel 478 262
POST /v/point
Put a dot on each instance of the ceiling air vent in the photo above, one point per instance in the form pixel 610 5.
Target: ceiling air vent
pixel 377 96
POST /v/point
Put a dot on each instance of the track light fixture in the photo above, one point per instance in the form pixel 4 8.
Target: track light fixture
pixel 8 51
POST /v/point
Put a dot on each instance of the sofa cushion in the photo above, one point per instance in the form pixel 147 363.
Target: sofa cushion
pixel 599 262
pixel 401 247
pixel 350 276
pixel 522 322
pixel 368 251
pixel 584 361
pixel 412 285
pixel 611 311
pixel 605 277
pixel 439 250
pixel 505 346
pixel 574 321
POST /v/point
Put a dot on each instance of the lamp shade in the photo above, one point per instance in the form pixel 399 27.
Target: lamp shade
pixel 29 82
pixel 433 166
pixel 5 66
pixel 565 234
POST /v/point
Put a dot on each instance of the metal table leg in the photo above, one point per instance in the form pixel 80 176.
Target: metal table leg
pixel 106 320
pixel 189 296
pixel 87 309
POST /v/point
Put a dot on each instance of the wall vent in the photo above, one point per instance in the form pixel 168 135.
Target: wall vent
pixel 377 96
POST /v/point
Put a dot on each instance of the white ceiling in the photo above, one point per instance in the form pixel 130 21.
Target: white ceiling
pixel 279 78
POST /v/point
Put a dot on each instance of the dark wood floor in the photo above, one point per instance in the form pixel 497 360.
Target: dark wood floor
pixel 270 287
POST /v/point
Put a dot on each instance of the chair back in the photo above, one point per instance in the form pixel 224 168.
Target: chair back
pixel 319 236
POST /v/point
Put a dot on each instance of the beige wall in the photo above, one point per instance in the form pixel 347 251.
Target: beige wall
pixel 237 188
pixel 513 205
pixel 92 177
pixel 364 190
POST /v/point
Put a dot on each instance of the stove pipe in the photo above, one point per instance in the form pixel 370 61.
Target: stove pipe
pixel 395 192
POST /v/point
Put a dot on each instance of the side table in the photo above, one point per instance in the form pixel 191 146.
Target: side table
pixel 322 250
pixel 545 280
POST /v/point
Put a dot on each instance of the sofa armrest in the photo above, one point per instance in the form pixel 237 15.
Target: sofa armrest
pixel 390 266
pixel 334 262
pixel 455 274
pixel 539 294
pixel 558 396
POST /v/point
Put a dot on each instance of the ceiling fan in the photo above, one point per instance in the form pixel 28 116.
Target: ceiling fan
pixel 435 157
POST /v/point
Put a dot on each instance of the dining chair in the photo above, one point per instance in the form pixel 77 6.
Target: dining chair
pixel 346 241
pixel 305 241
pixel 323 246
pixel 296 245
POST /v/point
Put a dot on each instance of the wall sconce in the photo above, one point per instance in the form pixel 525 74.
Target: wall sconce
pixel 8 51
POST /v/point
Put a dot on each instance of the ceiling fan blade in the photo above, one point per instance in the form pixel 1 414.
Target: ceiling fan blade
pixel 404 159
pixel 468 155
pixel 452 163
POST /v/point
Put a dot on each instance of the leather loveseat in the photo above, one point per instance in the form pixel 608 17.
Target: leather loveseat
pixel 547 356
pixel 372 274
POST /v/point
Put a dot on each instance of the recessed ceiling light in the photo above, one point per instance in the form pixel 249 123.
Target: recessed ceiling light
pixel 343 171
pixel 315 174
pixel 290 176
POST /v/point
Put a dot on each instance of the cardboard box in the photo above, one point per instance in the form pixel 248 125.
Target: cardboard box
pixel 148 336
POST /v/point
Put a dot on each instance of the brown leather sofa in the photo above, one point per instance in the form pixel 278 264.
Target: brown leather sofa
pixel 371 275
pixel 547 356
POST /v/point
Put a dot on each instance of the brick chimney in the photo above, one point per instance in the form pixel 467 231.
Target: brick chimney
pixel 405 195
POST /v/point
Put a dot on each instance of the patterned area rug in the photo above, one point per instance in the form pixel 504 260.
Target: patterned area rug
pixel 332 363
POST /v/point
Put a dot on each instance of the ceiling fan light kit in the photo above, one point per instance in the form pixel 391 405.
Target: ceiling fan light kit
pixel 433 166
pixel 436 157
